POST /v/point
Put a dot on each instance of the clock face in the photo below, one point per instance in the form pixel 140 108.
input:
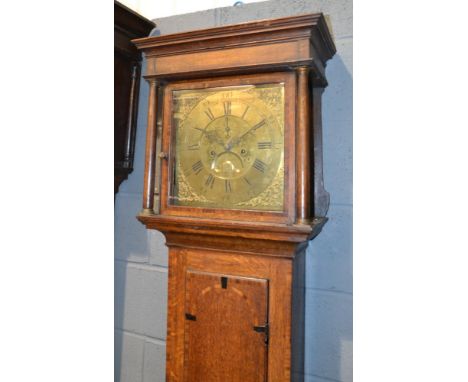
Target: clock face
pixel 229 147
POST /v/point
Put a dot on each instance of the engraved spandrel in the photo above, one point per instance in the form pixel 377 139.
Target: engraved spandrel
pixel 272 197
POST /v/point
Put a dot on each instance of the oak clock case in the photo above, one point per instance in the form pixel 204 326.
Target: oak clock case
pixel 233 179
pixel 227 147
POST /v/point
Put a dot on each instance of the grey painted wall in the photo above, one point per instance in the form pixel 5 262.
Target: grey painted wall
pixel 141 256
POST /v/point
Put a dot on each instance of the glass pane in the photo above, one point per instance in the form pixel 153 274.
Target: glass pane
pixel 229 147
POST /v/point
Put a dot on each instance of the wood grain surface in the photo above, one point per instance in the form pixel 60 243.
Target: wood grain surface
pixel 222 313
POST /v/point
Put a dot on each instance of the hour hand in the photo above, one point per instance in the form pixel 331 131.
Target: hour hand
pixel 213 137
pixel 236 140
pixel 232 142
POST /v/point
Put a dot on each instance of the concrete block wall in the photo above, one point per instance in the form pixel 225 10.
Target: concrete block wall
pixel 141 256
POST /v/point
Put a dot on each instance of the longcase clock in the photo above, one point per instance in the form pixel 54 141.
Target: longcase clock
pixel 233 179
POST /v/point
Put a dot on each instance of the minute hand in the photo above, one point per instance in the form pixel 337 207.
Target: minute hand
pixel 235 141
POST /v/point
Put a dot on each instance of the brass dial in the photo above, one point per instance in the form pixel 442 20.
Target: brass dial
pixel 230 147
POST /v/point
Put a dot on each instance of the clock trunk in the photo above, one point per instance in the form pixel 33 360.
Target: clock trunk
pixel 225 316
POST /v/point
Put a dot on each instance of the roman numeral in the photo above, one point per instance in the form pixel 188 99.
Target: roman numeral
pixel 195 146
pixel 245 112
pixel 210 114
pixel 247 181
pixel 264 145
pixel 197 167
pixel 227 108
pixel 259 165
pixel 258 125
pixel 210 181
pixel 227 185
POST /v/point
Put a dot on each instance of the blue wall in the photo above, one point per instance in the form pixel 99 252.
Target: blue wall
pixel 141 256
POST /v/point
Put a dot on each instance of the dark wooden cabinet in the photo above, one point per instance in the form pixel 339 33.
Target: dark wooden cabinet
pixel 127 68
pixel 233 179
